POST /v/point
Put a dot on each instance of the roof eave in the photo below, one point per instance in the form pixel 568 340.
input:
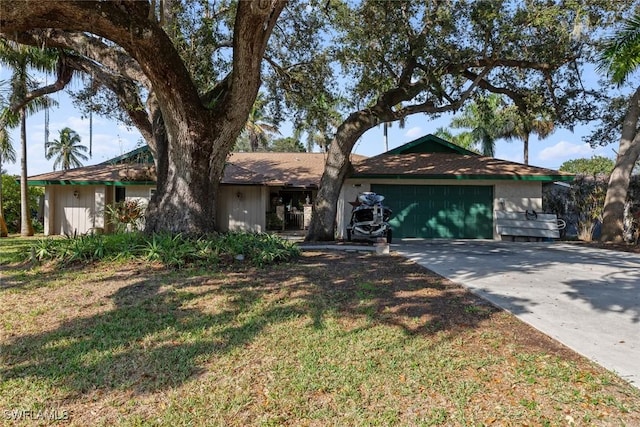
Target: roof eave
pixel 493 177
pixel 45 182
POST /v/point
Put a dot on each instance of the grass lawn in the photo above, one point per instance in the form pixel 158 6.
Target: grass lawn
pixel 334 338
pixel 12 246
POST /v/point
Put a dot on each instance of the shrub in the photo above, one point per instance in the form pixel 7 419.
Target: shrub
pixel 11 202
pixel 127 215
pixel 587 202
pixel 174 251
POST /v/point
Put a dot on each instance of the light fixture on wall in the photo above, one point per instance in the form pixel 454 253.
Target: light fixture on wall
pixel 76 194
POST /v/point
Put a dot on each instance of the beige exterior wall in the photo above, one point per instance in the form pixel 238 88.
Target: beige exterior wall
pixel 49 206
pixel 140 193
pixel 348 193
pixel 242 208
pixel 72 210
pixel 239 207
pixel 513 196
pixel 100 196
pixel 137 192
pixel 77 209
pixel 518 196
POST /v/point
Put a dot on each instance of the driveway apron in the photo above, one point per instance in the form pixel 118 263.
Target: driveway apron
pixel 586 298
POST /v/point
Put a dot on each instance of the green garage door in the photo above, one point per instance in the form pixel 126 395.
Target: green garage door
pixel 439 211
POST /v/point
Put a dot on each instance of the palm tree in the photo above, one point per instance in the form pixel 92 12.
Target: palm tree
pixel 67 150
pixel 21 59
pixel 464 139
pixel 520 126
pixel 485 121
pixel 620 57
pixel 257 129
pixel 9 154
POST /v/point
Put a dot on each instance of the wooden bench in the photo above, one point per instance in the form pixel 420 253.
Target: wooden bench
pixel 529 224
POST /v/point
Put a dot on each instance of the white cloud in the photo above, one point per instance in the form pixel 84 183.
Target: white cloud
pixel 414 132
pixel 564 150
pixel 78 124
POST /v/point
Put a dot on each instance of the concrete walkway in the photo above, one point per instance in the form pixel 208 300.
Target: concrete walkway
pixel 588 299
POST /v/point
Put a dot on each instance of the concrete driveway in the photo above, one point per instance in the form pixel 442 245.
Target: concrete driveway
pixel 588 299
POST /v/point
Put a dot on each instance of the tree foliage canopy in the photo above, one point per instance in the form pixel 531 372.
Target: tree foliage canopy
pixel 596 165
pixel 185 72
pixel 407 57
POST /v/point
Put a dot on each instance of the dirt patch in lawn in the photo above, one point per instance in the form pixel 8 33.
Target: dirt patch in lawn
pixel 334 338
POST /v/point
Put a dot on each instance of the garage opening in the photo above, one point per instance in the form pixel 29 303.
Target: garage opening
pixel 439 211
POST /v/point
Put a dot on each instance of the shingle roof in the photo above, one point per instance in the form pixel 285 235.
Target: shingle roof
pixel 305 169
pixel 294 169
pixel 134 172
pixel 450 165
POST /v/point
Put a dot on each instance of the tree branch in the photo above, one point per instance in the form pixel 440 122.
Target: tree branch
pixel 517 98
pixel 125 89
pixel 86 45
pixel 385 112
pixel 64 73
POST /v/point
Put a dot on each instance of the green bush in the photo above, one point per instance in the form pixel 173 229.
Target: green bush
pixel 127 215
pixel 175 251
pixel 11 202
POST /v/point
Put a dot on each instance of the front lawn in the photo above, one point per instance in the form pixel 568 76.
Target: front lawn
pixel 12 247
pixel 335 338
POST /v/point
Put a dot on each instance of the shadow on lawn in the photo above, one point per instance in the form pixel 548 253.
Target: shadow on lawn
pixel 163 330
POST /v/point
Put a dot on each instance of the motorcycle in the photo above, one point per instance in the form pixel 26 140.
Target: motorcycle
pixel 369 218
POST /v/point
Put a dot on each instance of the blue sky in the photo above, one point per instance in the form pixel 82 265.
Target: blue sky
pixel 111 139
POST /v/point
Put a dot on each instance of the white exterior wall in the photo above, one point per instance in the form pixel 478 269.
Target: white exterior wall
pixel 242 208
pixel 513 196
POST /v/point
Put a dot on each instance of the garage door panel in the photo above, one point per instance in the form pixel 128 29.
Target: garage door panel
pixel 431 211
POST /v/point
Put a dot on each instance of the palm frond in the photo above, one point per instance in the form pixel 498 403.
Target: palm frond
pixel 7 152
pixel 620 55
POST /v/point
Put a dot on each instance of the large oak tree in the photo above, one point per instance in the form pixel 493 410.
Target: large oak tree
pixel 409 57
pixel 165 78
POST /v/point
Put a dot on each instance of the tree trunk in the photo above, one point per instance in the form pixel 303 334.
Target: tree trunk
pixel 525 141
pixel 196 132
pixel 322 226
pixel 26 227
pixel 187 184
pixel 628 153
pixel 193 144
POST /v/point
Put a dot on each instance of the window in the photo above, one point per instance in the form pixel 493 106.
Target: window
pixel 120 194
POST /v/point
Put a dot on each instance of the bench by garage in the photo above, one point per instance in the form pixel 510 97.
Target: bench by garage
pixel 528 224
